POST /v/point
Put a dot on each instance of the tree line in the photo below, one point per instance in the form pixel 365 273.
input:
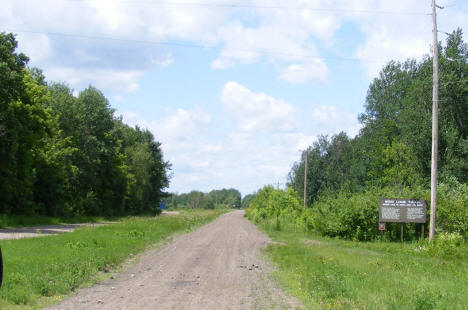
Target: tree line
pixel 390 157
pixel 67 155
pixel 223 198
pixel 393 148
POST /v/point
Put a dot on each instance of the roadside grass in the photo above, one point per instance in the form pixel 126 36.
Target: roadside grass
pixel 329 273
pixel 21 220
pixel 40 271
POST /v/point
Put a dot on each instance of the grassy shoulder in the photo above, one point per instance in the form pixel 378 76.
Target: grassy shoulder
pixel 40 271
pixel 327 273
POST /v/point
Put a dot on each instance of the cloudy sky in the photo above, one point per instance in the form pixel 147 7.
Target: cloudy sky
pixel 233 89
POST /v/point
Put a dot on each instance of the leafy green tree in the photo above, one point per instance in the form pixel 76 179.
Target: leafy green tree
pixel 146 169
pixel 195 199
pixel 101 163
pixel 247 201
pixel 24 123
pixel 53 161
pixel 67 155
pixel 393 147
pixel 230 198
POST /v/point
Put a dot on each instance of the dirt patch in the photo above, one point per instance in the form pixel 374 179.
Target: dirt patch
pixel 219 266
pixel 313 242
pixel 41 231
pixel 166 213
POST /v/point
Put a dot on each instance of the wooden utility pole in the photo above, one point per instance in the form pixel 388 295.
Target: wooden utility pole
pixel 277 185
pixel 435 127
pixel 305 178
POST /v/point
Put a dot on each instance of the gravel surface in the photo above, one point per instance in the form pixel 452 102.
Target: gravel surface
pixel 40 231
pixel 218 266
pixel 170 212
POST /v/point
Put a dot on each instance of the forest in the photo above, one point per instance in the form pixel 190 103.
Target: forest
pixel 391 155
pixel 67 155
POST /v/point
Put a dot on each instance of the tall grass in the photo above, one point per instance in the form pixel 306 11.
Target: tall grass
pixel 364 272
pixel 337 274
pixel 39 271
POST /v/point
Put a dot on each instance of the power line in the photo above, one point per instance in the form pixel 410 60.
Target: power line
pixel 188 45
pixel 250 6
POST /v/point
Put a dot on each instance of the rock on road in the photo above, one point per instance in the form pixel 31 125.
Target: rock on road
pixel 218 266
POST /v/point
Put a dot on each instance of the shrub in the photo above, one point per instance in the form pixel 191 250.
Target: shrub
pixel 452 208
pixel 447 245
pixel 355 215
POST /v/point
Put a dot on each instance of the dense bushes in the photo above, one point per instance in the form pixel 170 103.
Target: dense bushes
pixel 276 204
pixel 355 215
pixel 452 208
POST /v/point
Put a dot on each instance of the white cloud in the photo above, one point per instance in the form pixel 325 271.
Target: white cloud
pixel 387 39
pixel 177 128
pixel 37 47
pixel 258 111
pixel 302 73
pixel 287 38
pixel 259 151
pixel 264 158
pixel 334 120
pixel 95 20
pixel 282 36
pixel 181 124
pixel 110 79
pixel 399 36
pixel 129 116
pixel 325 114
pixel 163 61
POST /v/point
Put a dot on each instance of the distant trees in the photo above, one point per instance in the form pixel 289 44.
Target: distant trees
pixel 224 198
pixel 66 155
pixel 393 148
pixel 230 198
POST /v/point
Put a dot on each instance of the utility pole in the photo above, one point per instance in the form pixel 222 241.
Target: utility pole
pixel 277 185
pixel 305 177
pixel 435 127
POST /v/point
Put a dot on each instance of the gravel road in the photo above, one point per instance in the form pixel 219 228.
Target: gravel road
pixel 218 266
pixel 40 231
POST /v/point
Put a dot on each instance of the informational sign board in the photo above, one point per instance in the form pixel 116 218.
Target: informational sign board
pixel 402 210
pixel 381 226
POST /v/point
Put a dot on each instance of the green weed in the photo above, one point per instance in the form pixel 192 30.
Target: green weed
pixel 330 273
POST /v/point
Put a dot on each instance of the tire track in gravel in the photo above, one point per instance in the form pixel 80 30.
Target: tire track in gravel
pixel 218 266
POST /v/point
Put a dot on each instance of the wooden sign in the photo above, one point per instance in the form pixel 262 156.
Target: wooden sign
pixel 402 210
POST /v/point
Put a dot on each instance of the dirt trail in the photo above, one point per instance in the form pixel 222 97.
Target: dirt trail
pixel 48 230
pixel 219 266
pixel 42 231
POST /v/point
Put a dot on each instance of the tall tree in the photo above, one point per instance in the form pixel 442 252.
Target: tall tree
pixel 24 123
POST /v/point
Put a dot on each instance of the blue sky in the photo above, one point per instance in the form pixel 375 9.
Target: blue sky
pixel 232 89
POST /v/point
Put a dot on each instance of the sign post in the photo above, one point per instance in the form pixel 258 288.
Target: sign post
pixel 397 210
pixel 1 267
pixel 401 234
